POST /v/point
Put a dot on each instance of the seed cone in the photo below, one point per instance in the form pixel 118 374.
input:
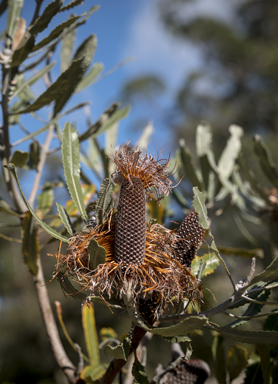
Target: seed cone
pixel 130 238
pixel 191 235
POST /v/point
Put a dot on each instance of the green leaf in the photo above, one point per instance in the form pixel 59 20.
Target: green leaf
pixel 3 6
pixel 211 263
pixel 30 243
pixel 19 158
pixel 65 219
pixel 34 78
pixel 14 11
pixel 108 333
pixel 138 373
pixel 179 329
pixel 200 207
pixel 111 116
pixel 4 207
pixel 45 226
pixel 250 337
pixel 145 136
pixel 34 155
pixel 23 51
pixel 203 146
pixel 56 32
pixel 67 48
pixel 242 252
pixel 266 161
pixel 49 12
pixel 104 300
pixel 188 165
pixel 219 358
pixel 94 372
pixel 71 163
pixel 85 53
pixel 176 339
pixel 230 153
pixel 236 361
pixel 90 332
pixel 61 86
pixel 269 274
pixel 90 77
pixel 104 200
pixel 45 201
pixel 264 353
pixel 68 287
pixel 72 4
pixel 117 352
pixel 97 254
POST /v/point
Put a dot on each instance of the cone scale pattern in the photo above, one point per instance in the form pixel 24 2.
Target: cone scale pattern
pixel 192 235
pixel 130 236
pixel 187 372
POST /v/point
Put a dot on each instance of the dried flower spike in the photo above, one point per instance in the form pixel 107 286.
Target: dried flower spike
pixel 191 235
pixel 136 173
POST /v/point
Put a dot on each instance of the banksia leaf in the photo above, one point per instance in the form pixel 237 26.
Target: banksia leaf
pixel 14 10
pixel 30 243
pixel 45 201
pixel 90 332
pixel 236 361
pixel 19 158
pixel 104 200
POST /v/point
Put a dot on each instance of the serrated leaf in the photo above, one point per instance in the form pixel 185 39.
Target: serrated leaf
pixel 179 329
pixel 30 243
pixel 23 50
pixel 34 155
pixel 230 153
pixel 188 165
pixel 45 226
pixel 200 207
pixel 250 337
pixel 269 274
pixel 236 361
pixel 72 4
pixel 94 372
pixel 59 87
pixel 14 11
pixel 90 332
pixel 90 77
pixel 34 78
pixel 97 254
pixel 71 163
pixel 56 32
pixel 117 352
pixel 65 219
pixel 211 263
pixel 111 116
pixel 19 158
pixel 67 48
pixel 138 373
pixel 104 200
pixel 266 161
pixel 48 13
pixel 68 287
pixel 176 339
pixel 45 201
pixel 85 53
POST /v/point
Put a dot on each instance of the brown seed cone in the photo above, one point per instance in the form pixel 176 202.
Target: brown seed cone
pixel 187 372
pixel 192 235
pixel 130 236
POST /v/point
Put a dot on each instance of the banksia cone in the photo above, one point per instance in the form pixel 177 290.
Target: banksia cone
pixel 146 260
pixel 190 237
pixel 136 174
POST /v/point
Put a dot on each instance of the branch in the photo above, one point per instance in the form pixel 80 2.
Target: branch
pixel 36 13
pixel 117 364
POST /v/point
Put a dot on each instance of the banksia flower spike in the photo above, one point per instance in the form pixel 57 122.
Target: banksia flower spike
pixel 145 259
pixel 136 175
pixel 190 237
